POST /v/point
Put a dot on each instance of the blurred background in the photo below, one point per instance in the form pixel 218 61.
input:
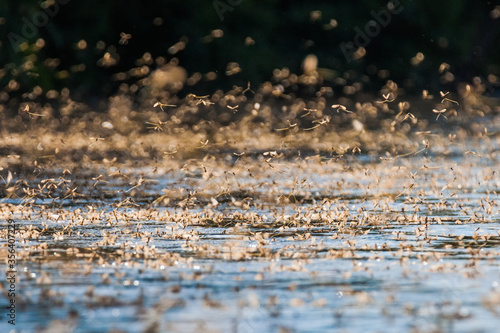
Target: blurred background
pixel 91 50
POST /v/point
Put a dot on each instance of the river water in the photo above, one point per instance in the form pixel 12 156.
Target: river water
pixel 322 243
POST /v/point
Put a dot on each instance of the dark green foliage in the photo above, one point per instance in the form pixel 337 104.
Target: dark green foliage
pixel 458 32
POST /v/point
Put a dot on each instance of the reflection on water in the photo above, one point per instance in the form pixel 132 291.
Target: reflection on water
pixel 285 245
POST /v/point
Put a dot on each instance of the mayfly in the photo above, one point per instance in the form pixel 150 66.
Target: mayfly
pixel 290 126
pixel 136 185
pixel 319 122
pixel 124 38
pixel 201 99
pixel 439 112
pixel 356 150
pixel 322 121
pixel 203 144
pixel 98 179
pixel 387 99
pixel 238 155
pixel 156 126
pixel 426 95
pixel 27 110
pixel 443 95
pixel 233 108
pixel 308 112
pixel 161 105
pixel 340 107
pixel 248 89
pixel 409 115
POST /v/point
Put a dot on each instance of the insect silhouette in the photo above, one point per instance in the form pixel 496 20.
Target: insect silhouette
pixel 161 105
pixel 201 99
pixel 248 89
pixel 340 107
pixel 290 126
pixel 31 114
pixel 156 126
pixel 443 95
pixel 233 108
pixel 308 112
pixel 387 99
pixel 439 112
